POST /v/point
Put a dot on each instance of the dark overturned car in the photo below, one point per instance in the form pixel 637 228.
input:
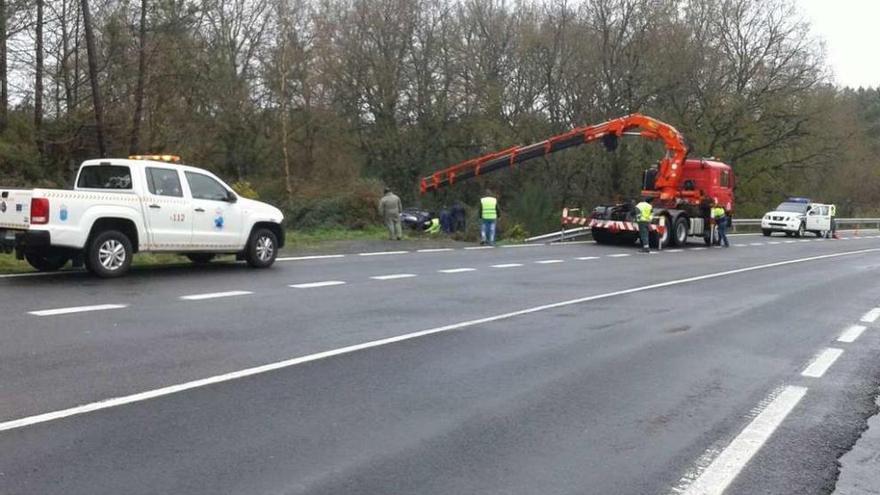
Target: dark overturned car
pixel 415 219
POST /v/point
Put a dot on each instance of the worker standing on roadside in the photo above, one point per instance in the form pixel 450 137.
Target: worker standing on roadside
pixel 389 209
pixel 719 216
pixel 489 216
pixel 832 209
pixel 645 212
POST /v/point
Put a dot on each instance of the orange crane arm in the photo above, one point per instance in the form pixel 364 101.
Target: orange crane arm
pixel 669 171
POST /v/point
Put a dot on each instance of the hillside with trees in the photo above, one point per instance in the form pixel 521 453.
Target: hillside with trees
pixel 314 105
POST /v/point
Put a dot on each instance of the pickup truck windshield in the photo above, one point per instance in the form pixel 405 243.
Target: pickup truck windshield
pixel 793 207
pixel 104 177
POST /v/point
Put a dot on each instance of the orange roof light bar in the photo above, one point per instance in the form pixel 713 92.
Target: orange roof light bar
pixel 156 158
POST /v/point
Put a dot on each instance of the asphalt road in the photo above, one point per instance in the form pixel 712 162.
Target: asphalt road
pixel 574 369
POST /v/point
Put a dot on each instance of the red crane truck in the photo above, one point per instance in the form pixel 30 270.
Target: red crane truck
pixel 683 188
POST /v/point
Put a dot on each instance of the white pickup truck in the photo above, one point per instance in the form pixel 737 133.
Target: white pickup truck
pixel 119 207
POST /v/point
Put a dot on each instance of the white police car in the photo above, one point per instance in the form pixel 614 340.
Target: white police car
pixel 796 216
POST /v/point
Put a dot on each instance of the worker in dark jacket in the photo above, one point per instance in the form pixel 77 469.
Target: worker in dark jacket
pixel 458 217
pixel 489 216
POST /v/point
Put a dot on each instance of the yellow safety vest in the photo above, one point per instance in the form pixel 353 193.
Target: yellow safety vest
pixel 435 226
pixel 717 212
pixel 645 211
pixel 490 208
pixel 833 210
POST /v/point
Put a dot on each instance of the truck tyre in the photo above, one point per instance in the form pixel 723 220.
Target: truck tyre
pixel 601 236
pixel 680 232
pixel 766 232
pixel 46 262
pixel 800 231
pixel 200 258
pixel 109 254
pixel 261 249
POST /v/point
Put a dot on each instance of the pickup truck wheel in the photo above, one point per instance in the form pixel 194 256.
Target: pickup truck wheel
pixel 46 262
pixel 201 258
pixel 766 232
pixel 109 254
pixel 800 231
pixel 262 249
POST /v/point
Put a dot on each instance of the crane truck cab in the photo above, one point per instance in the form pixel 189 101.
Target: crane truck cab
pixel 703 182
pixel 796 216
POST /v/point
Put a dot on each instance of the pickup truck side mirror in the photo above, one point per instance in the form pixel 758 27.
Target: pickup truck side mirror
pixel 231 197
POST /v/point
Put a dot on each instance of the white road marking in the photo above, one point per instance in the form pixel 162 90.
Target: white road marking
pixel 215 295
pixel 457 270
pixel 756 244
pixel 39 274
pixel 674 250
pixel 479 247
pixel 618 255
pixel 789 242
pixel 699 249
pixel 822 362
pixel 852 333
pixel 804 240
pixel 871 316
pixel 316 257
pixel 434 250
pixel 549 262
pixel 151 394
pixel 76 309
pixel 312 285
pixel 520 245
pixel 722 471
pixel 569 243
pixel 774 242
pixel 843 238
pixel 507 265
pixel 393 276
pixel 382 253
pixel 584 258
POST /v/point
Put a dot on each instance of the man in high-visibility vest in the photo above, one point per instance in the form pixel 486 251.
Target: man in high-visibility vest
pixel 719 216
pixel 833 211
pixel 434 226
pixel 489 216
pixel 644 214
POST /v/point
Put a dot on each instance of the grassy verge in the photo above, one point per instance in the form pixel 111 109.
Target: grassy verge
pixel 294 240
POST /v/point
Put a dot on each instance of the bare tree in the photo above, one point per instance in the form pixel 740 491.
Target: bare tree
pixel 139 91
pixel 4 86
pixel 38 79
pixel 93 77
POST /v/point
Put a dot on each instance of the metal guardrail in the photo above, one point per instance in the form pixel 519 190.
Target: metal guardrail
pixel 566 234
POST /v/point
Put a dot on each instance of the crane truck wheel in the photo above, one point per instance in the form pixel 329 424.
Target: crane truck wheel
pixel 601 236
pixel 680 231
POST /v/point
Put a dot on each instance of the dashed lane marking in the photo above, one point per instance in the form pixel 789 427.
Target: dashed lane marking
pixel 852 333
pixel 549 262
pixel 822 362
pixel 382 253
pixel 507 265
pixel 789 242
pixel 871 316
pixel 472 248
pixel 215 295
pixel 774 243
pixel 434 250
pixel 457 270
pixel 521 245
pixel 756 244
pixel 313 285
pixel 315 257
pixel 394 276
pixel 76 309
pixel 618 255
pixel 674 250
pixel 173 389
pixel 700 249
pixel 585 258
pixel 724 469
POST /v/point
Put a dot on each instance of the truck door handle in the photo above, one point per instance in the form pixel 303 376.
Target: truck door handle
pixel 200 210
pixel 155 207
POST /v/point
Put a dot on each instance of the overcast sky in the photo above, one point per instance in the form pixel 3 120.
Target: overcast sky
pixel 850 29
